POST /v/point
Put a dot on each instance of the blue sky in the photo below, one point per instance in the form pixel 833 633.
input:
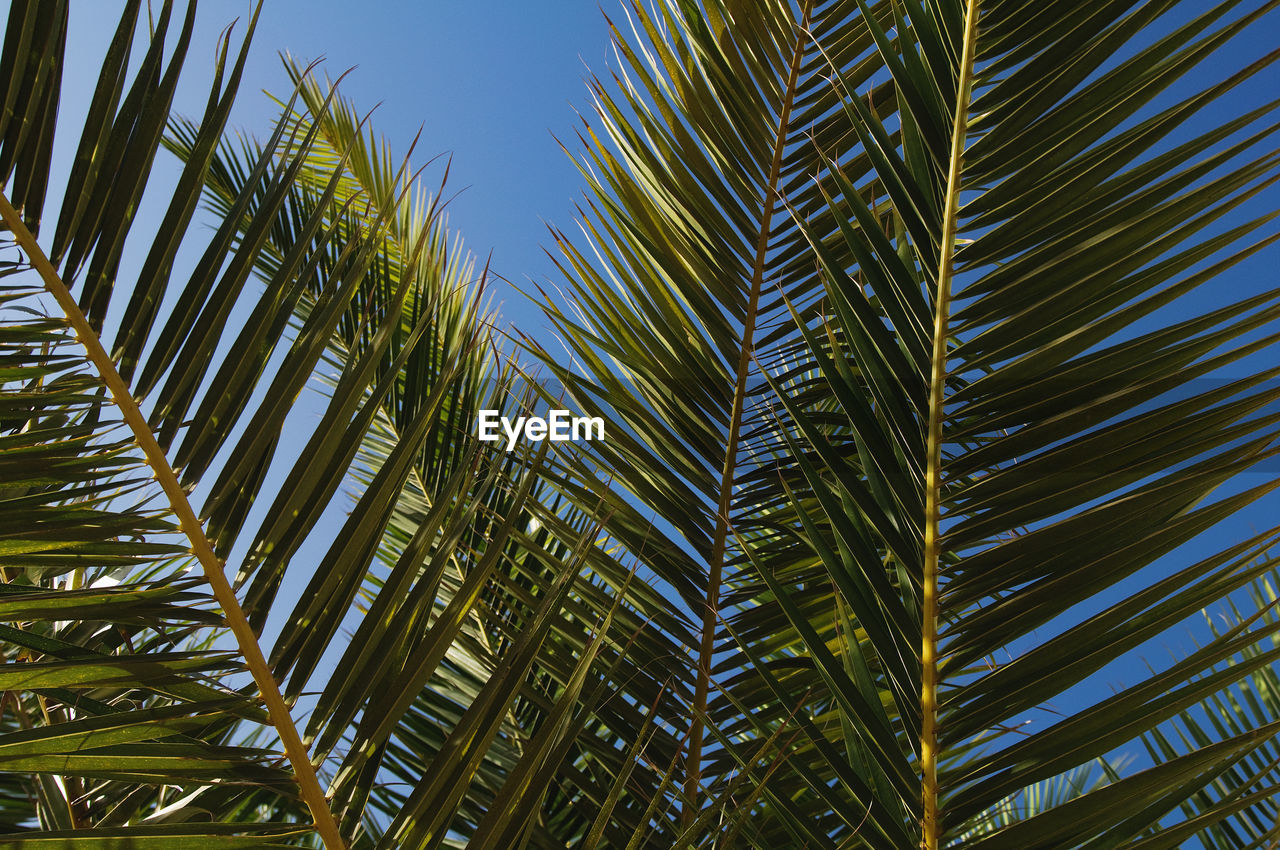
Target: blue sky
pixel 491 84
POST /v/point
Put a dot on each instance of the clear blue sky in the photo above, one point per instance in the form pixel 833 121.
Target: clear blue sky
pixel 488 82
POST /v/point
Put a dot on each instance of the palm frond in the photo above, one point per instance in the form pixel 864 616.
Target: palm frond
pixel 365 294
pixel 467 545
pixel 967 421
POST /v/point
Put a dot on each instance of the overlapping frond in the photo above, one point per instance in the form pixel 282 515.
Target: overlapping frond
pixel 914 511
pixel 449 593
pixel 1237 807
pixel 117 702
pixel 1067 443
pixel 709 161
pixel 461 560
pixel 929 384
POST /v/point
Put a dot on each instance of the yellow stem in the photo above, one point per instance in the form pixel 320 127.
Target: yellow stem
pixel 281 719
pixel 930 824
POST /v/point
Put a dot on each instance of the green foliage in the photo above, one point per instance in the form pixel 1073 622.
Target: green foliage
pixel 889 309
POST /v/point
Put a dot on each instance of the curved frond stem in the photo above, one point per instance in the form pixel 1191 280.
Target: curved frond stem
pixel 711 613
pixel 308 782
pixel 930 822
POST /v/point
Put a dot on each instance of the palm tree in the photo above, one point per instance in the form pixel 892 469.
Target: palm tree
pixel 870 294
pixel 451 615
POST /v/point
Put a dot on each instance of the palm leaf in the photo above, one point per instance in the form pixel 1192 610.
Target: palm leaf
pixel 364 295
pixel 889 308
pixel 967 421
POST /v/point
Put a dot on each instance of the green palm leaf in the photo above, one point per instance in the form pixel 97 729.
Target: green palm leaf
pixel 445 558
pixel 971 433
pixel 918 423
